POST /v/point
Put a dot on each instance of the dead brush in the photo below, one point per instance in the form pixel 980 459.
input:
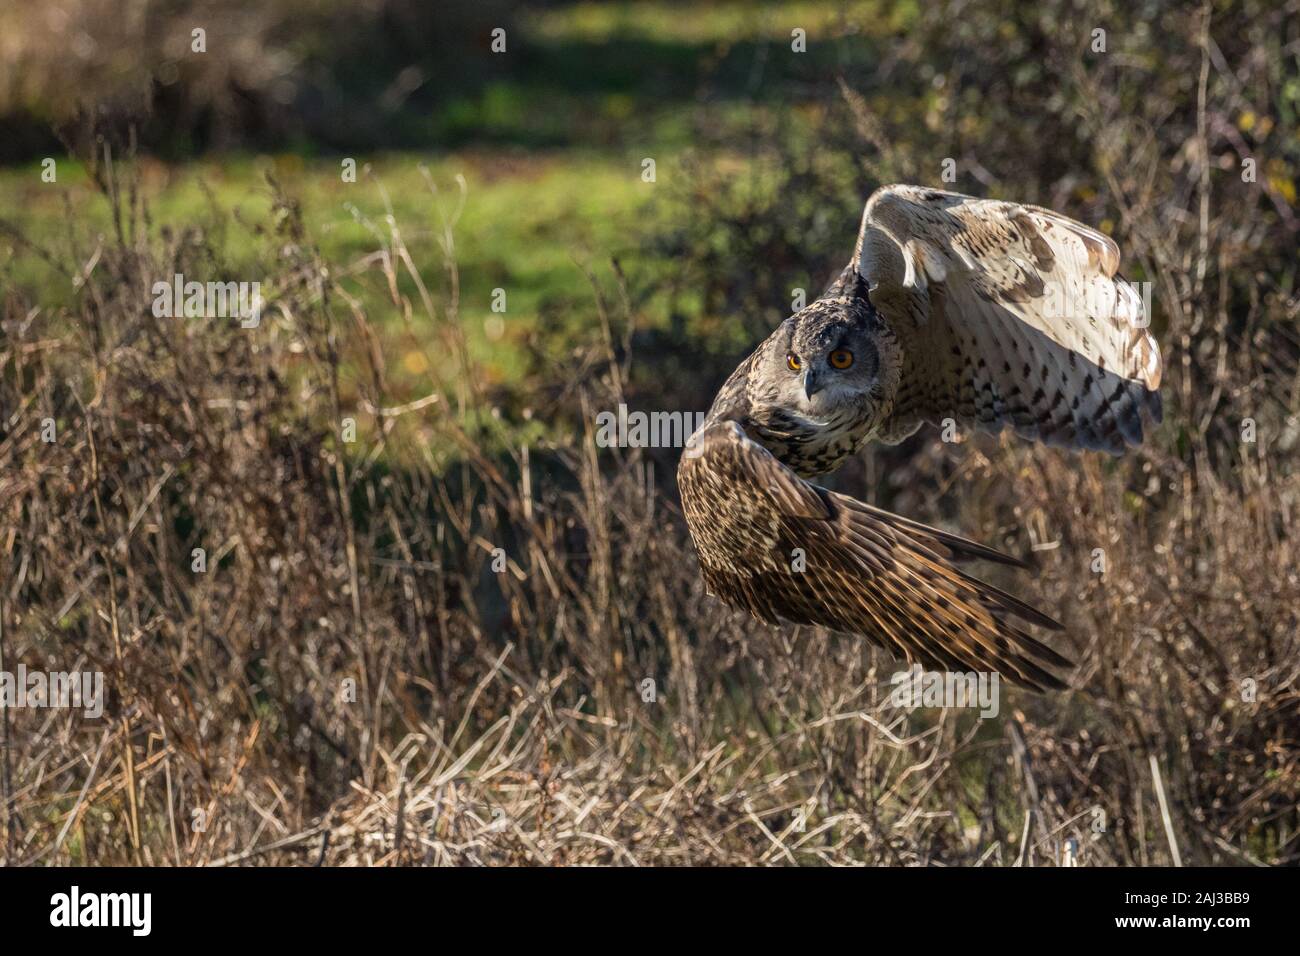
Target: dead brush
pixel 351 682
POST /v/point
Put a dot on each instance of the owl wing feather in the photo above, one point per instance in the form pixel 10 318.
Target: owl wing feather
pixel 1008 315
pixel 787 550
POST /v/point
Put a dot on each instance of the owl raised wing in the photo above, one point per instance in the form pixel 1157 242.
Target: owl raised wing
pixel 1008 315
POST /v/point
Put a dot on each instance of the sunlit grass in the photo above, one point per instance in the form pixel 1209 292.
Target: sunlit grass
pixel 526 225
pixel 712 23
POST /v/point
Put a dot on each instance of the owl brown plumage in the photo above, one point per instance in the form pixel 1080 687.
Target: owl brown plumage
pixel 987 313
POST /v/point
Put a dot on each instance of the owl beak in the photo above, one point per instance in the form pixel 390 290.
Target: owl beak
pixel 812 383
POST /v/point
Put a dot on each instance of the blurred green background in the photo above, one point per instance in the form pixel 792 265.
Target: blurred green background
pixel 763 153
pixel 549 136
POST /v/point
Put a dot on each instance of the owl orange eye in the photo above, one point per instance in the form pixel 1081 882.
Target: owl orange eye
pixel 792 362
pixel 841 358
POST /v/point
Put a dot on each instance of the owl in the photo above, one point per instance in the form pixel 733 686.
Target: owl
pixel 955 310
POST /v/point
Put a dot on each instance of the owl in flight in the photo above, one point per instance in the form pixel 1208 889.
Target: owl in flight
pixel 988 313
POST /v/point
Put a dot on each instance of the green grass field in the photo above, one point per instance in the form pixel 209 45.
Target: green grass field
pixel 525 224
pixel 549 156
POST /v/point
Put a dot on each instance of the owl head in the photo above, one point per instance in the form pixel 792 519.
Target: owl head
pixel 823 358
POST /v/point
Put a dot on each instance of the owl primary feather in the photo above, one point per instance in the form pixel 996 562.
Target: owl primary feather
pixel 990 314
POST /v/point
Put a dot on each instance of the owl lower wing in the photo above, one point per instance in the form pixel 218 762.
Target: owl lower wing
pixel 1008 315
pixel 786 550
